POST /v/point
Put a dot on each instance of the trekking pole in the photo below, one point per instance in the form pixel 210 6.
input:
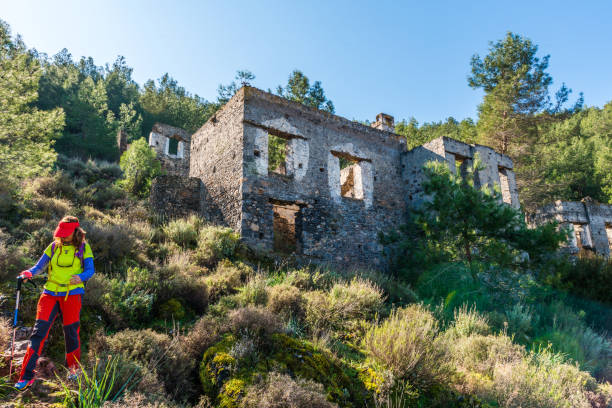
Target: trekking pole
pixel 18 297
pixel 19 282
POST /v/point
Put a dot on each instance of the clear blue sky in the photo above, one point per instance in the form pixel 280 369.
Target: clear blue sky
pixel 403 58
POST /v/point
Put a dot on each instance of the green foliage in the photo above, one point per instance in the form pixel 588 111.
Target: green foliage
pixel 140 166
pixel 225 379
pixel 298 89
pixel 93 390
pixel 184 232
pixel 277 154
pixel 343 306
pixel 158 359
pixel 242 78
pixel 215 244
pixel 26 132
pixel 170 103
pixel 407 343
pixel 416 135
pixel 463 222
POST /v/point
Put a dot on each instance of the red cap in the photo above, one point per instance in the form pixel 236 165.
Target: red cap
pixel 64 229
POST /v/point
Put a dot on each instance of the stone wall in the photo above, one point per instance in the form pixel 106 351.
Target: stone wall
pixel 590 223
pixel 497 171
pixel 216 159
pixel 332 228
pixel 175 196
pixel 162 138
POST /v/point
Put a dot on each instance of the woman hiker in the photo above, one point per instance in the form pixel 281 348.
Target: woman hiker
pixel 70 263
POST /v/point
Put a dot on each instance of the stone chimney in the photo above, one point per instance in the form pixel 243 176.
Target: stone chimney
pixel 384 122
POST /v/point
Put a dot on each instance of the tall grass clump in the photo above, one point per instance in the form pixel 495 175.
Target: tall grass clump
pixel 408 344
pixel 184 231
pixel 343 305
pixel 94 389
pixel 543 380
pixel 216 243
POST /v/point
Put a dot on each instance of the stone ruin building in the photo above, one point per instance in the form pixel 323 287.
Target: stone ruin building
pixel 589 223
pixel 297 180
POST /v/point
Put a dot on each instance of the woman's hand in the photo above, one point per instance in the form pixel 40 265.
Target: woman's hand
pixel 75 280
pixel 25 275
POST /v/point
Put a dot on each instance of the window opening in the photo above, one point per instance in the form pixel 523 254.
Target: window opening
pixel 351 184
pixel 173 147
pixel 277 154
pixel 582 236
pixel 286 228
pixel 609 234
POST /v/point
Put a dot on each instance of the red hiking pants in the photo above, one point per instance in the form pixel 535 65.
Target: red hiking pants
pixel 48 308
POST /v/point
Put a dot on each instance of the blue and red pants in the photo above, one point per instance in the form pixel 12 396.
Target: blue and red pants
pixel 48 308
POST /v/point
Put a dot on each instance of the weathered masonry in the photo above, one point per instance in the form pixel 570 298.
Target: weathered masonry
pixel 590 223
pixel 293 179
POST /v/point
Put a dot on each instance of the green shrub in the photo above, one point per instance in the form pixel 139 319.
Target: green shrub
pixel 216 243
pixel 286 301
pixel 226 379
pixel 521 321
pixel 226 279
pixel 542 380
pixel 12 261
pixel 589 276
pixel 171 310
pixel 101 194
pixel 50 208
pixel 301 279
pixel 89 171
pixel 124 302
pixel 140 166
pixel 407 343
pixel 158 353
pixel 282 391
pixel 110 243
pixel 255 322
pixel 480 353
pixel 254 292
pixel 342 305
pixel 184 232
pixel 467 322
pixel 58 185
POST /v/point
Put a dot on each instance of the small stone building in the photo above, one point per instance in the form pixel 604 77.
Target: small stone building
pixel 590 223
pixel 294 179
pixel 172 145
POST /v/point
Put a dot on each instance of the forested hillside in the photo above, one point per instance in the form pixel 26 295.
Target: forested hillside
pixel 474 309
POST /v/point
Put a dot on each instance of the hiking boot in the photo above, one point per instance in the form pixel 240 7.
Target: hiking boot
pixel 23 384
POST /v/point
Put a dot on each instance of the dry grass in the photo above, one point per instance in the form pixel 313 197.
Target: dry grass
pixel 5 334
pixel 226 279
pixel 286 301
pixel 282 391
pixel 255 322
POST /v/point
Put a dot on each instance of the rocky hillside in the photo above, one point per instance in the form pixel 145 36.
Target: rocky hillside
pixel 181 314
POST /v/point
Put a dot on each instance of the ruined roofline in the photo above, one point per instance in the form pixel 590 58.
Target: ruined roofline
pixel 247 91
pixel 471 145
pixel 169 131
